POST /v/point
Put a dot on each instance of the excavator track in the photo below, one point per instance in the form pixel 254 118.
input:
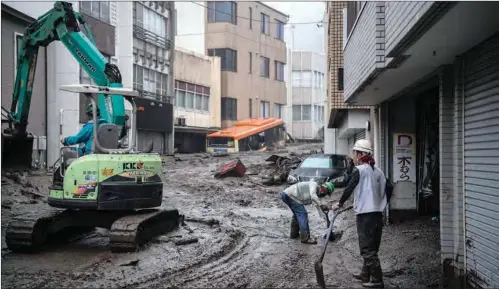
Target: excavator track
pixel 128 233
pixel 29 232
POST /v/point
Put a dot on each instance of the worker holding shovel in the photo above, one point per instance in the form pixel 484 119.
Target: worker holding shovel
pixel 299 195
pixel 368 183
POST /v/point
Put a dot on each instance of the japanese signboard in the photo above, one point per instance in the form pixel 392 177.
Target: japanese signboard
pixel 404 157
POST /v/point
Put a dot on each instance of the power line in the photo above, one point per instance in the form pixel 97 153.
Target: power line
pixel 246 18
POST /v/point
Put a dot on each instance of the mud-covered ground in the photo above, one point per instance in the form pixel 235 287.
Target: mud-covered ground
pixel 249 247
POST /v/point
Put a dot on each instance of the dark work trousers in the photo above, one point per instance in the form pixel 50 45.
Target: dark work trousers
pixel 369 229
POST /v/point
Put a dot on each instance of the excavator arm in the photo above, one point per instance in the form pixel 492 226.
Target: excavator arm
pixel 61 23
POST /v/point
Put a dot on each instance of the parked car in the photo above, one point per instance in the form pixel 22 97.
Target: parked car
pixel 320 167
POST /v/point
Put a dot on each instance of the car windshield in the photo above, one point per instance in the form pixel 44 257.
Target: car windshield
pixel 317 163
pixel 324 163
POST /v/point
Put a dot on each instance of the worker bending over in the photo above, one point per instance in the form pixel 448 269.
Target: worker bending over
pixel 86 134
pixel 299 195
pixel 368 184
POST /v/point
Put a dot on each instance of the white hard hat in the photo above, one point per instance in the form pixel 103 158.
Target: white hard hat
pixel 363 145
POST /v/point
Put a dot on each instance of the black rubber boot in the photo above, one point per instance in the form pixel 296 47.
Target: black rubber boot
pixel 364 275
pixel 295 228
pixel 376 278
pixel 306 238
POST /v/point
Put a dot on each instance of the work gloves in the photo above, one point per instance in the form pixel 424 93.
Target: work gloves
pixel 335 206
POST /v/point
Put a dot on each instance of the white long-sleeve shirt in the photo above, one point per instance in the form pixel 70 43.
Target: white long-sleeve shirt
pixel 305 193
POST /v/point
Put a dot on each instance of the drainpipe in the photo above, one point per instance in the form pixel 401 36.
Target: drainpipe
pixel 170 137
pixel 375 128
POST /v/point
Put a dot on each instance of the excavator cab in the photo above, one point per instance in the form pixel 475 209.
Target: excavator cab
pixel 115 188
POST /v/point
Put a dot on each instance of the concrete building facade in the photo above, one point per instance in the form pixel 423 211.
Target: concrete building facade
pixel 249 39
pixel 344 123
pixel 431 69
pixel 197 99
pixel 308 95
pixel 13 25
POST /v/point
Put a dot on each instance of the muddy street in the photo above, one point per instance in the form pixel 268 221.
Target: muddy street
pixel 236 236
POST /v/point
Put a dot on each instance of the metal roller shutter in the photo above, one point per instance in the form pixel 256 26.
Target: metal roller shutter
pixel 481 163
pixel 360 135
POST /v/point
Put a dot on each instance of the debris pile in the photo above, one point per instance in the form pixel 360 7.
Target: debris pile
pixel 279 168
pixel 232 169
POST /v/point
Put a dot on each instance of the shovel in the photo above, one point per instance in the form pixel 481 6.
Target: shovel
pixel 319 270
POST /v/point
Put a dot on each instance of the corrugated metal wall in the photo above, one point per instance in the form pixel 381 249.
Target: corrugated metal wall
pixel 481 164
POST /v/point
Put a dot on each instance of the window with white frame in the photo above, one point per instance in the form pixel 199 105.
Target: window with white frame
pixel 151 83
pixel 192 96
pixel 278 110
pixel 301 78
pixel 302 112
pixel 264 109
pixel 264 24
pixel 97 9
pixel 296 112
pixel 149 19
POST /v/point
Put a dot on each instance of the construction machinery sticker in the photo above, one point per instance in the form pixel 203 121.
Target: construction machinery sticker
pixel 137 173
pixel 107 172
pixel 83 190
pixel 133 166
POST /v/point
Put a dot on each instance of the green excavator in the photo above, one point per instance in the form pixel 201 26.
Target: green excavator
pixel 115 187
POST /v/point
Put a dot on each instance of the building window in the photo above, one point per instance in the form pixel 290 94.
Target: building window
pixel 296 112
pixel 318 113
pixel 192 96
pixel 279 71
pixel 264 109
pixel 250 63
pixel 228 58
pixel 229 108
pixel 279 33
pixel 97 9
pixel 318 80
pixel 278 110
pixel 301 78
pixel 17 43
pixel 301 112
pixel 250 108
pixel 223 11
pixel 264 24
pixel 151 83
pixel 340 79
pixel 264 67
pixel 251 18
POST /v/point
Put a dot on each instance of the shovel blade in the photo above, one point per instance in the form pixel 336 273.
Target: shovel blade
pixel 319 274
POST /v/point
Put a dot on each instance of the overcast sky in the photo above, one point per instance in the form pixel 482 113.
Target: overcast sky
pixel 307 37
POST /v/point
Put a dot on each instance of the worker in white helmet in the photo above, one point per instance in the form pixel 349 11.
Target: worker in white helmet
pixel 368 185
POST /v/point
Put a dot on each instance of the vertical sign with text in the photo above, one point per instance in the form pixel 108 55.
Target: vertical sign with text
pixel 404 157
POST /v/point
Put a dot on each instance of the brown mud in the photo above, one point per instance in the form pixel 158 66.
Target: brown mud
pixel 236 236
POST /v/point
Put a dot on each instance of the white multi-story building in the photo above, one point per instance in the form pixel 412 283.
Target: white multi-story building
pixel 134 35
pixel 307 91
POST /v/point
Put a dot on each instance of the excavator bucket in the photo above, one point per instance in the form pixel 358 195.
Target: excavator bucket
pixel 17 152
